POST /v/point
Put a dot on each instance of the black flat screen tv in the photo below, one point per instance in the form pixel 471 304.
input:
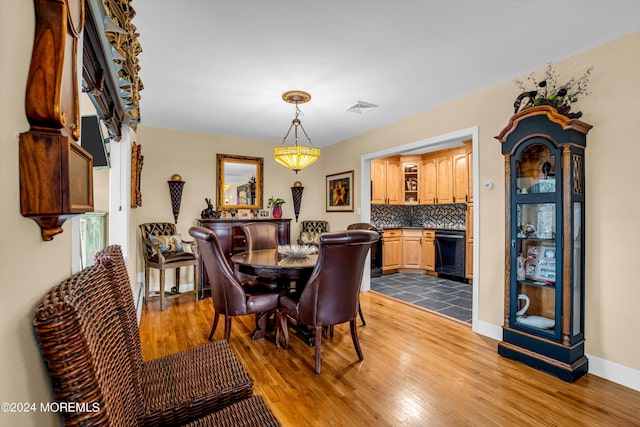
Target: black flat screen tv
pixel 92 140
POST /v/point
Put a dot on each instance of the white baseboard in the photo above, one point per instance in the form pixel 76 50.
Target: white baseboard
pixel 614 372
pixel 488 330
pixel 611 371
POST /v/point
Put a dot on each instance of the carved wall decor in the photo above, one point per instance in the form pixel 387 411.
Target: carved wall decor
pixel 56 173
pixel 136 173
pixel 124 39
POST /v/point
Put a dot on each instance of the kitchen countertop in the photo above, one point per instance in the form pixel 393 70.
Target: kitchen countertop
pixel 421 227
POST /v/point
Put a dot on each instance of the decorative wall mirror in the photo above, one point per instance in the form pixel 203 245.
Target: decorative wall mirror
pixel 238 182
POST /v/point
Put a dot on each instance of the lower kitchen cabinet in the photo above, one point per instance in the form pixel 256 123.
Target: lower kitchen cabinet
pixel 428 250
pixel 411 248
pixel 391 250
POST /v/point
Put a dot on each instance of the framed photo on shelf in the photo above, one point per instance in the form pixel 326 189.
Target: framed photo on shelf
pixel 225 215
pixel 540 263
pixel 339 189
pixel 264 214
pixel 244 214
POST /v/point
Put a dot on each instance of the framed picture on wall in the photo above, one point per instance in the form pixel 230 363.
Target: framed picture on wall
pixel 339 192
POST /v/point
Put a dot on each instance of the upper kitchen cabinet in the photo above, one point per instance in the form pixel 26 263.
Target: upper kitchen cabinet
pixel 427 189
pixel 410 177
pixel 460 174
pixel 545 212
pixel 444 180
pixel 440 177
pixel 469 150
pixel 386 181
pixel 445 177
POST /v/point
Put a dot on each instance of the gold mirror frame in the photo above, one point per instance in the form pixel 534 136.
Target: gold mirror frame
pixel 225 163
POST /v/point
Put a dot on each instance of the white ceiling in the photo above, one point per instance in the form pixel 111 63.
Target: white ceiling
pixel 221 66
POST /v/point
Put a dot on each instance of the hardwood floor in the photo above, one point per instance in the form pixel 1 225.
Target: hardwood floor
pixel 419 369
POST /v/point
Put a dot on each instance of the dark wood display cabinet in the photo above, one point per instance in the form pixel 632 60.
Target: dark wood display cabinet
pixel 232 241
pixel 545 220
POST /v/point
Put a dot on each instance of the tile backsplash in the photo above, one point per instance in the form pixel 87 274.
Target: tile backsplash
pixel 429 216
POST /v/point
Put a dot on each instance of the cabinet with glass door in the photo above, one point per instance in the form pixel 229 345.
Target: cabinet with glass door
pixel 544 281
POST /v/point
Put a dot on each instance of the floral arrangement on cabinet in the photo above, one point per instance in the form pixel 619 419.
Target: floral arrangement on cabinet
pixel 549 92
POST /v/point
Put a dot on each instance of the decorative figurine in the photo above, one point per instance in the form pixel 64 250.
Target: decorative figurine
pixel 209 213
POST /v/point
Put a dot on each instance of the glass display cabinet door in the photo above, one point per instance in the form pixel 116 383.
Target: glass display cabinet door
pixel 535 298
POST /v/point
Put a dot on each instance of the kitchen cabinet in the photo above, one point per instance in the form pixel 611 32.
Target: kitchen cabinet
pixel 469 244
pixel 427 190
pixel 428 250
pixel 411 179
pixel 444 179
pixel 545 213
pixel 386 181
pixel 469 151
pixel 439 177
pixel 460 176
pixel 411 248
pixel 391 250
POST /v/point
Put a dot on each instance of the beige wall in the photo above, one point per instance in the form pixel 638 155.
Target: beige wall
pixel 612 231
pixel 31 267
pixel 612 150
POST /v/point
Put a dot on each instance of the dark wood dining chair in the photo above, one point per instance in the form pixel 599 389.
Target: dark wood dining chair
pixel 330 297
pixel 230 296
pixel 360 226
pixel 260 235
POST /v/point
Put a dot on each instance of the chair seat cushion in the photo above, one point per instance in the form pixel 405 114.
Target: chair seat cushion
pixel 289 304
pixel 174 257
pixel 197 381
pixel 261 302
pixel 251 412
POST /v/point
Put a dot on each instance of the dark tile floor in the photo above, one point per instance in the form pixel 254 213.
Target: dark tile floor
pixel 446 297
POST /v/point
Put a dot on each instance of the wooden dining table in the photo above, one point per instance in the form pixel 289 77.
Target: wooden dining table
pixel 268 264
pixel 271 265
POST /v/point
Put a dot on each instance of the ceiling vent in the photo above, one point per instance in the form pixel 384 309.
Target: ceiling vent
pixel 361 107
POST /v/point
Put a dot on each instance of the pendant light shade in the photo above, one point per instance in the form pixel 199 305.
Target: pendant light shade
pixel 296 157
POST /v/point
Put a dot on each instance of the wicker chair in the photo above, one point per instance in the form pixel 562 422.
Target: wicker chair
pixel 162 248
pixel 88 335
pixel 330 297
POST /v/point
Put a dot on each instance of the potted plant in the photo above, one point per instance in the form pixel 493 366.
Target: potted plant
pixel 276 204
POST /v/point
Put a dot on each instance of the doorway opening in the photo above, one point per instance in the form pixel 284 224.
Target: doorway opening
pixel 441 142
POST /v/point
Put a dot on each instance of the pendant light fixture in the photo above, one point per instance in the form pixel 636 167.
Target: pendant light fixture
pixel 296 157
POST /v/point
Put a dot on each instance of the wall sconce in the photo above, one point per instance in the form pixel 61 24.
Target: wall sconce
pixel 175 190
pixel 296 193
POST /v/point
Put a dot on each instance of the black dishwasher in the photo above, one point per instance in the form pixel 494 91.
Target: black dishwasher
pixel 450 253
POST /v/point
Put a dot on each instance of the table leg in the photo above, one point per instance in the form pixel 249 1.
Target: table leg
pixel 265 322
